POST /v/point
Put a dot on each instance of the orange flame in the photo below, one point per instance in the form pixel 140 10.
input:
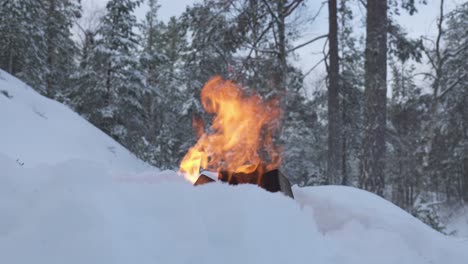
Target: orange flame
pixel 242 132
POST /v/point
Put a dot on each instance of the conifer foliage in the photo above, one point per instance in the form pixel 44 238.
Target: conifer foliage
pixel 36 43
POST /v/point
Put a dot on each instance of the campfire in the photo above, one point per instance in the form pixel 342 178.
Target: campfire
pixel 239 147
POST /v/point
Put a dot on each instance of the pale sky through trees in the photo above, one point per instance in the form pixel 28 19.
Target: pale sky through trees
pixel 421 23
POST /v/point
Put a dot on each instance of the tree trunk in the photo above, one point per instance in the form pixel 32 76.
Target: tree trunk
pixel 280 75
pixel 10 60
pixel 436 87
pixel 108 83
pixel 372 176
pixel 344 171
pixel 465 181
pixel 334 158
pixel 50 51
pixel 344 134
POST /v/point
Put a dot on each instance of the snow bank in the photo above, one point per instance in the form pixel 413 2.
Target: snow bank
pixel 70 194
pixel 78 212
pixel 359 221
pixel 36 130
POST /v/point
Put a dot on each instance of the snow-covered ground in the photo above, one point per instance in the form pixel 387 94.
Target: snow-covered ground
pixel 70 194
pixel 35 130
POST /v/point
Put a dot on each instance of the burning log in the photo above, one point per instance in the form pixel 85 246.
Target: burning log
pixel 272 181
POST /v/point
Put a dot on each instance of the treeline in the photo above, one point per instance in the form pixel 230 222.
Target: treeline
pixel 139 82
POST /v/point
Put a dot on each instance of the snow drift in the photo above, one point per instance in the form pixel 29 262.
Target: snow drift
pixel 70 194
pixel 36 130
pixel 78 212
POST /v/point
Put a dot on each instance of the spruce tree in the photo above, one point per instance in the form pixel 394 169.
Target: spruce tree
pixel 60 47
pixel 375 107
pixel 123 80
pixel 23 45
pixel 168 126
pixel 110 88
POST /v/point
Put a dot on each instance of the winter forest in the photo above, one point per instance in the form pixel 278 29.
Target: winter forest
pixel 379 110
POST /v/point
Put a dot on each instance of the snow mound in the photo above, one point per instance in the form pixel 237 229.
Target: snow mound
pixel 79 212
pixel 359 221
pixel 70 194
pixel 36 130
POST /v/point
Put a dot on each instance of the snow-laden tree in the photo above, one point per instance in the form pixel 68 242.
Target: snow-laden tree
pixel 23 41
pixel 60 47
pixel 111 87
pixel 304 136
pixel 375 93
pixel 446 146
pixel 404 153
pixel 168 127
pixel 37 43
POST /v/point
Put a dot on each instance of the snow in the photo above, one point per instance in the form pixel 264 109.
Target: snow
pixel 78 212
pixel 36 130
pixel 76 201
pixel 359 221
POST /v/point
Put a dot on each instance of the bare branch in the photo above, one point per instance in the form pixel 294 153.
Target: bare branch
pixel 319 11
pixel 272 13
pixel 291 7
pixel 260 50
pixel 451 86
pixel 431 60
pixel 316 65
pixel 308 42
pixel 425 74
pixel 262 34
pixel 438 59
pixel 451 54
pixel 428 39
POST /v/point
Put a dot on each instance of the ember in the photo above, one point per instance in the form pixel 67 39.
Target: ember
pixel 273 181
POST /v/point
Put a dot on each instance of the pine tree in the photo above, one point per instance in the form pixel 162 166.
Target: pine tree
pixel 213 42
pixel 406 118
pixel 22 45
pixel 61 49
pixel 161 60
pixel 304 137
pixel 87 95
pixel 176 125
pixel 37 42
pixel 457 96
pixel 446 152
pixel 124 89
pixel 334 167
pixel 351 92
pixel 375 109
pixel 110 88
pixel 151 60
